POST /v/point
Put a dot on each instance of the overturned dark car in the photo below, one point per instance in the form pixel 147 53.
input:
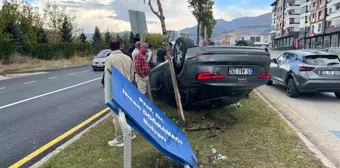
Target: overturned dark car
pixel 211 76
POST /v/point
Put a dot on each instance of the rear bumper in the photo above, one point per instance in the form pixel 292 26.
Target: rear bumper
pixel 320 86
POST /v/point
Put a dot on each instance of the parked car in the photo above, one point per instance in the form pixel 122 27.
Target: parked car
pixel 98 62
pixel 211 76
pixel 306 71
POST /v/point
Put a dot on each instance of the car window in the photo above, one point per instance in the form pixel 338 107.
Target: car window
pixel 322 60
pixel 103 54
pixel 282 58
pixel 291 58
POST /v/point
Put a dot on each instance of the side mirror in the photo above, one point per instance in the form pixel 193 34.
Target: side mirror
pixel 274 60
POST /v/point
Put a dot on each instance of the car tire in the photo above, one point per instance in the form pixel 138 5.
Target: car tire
pixel 180 49
pixel 291 89
pixel 245 43
pixel 94 69
pixel 269 82
pixel 337 95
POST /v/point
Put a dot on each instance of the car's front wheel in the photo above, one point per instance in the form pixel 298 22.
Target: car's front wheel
pixel 291 89
pixel 337 95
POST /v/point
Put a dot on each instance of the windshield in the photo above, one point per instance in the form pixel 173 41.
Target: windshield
pixel 103 54
pixel 322 60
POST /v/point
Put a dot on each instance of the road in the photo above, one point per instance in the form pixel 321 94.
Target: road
pixel 36 109
pixel 316 114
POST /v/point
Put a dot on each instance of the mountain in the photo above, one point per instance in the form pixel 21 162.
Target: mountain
pixel 258 24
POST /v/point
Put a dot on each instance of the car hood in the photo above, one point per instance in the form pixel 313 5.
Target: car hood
pixel 99 59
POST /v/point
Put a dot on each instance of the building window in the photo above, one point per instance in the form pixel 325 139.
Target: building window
pixel 306 19
pixel 257 39
pixel 314 3
pixel 330 11
pixel 334 40
pixel 320 2
pixel 252 39
pixel 319 27
pixel 320 14
pixel 337 7
pixel 312 29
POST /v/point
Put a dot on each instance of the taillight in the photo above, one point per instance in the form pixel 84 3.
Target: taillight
pixel 264 75
pixel 202 54
pixel 305 68
pixel 209 75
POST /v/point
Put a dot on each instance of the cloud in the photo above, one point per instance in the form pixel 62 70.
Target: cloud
pixel 113 14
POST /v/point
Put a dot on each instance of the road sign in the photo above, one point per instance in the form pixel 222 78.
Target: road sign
pixel 138 23
pixel 145 118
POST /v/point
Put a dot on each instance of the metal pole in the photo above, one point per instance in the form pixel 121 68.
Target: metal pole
pixel 127 139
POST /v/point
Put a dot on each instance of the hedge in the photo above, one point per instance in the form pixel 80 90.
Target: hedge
pixel 50 51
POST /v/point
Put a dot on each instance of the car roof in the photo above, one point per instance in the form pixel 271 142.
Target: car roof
pixel 308 52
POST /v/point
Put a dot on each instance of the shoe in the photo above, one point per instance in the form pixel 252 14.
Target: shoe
pixel 133 136
pixel 116 143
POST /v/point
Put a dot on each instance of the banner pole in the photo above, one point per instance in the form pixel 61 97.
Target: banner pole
pixel 127 139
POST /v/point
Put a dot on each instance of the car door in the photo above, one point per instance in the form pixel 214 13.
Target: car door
pixel 275 68
pixel 286 65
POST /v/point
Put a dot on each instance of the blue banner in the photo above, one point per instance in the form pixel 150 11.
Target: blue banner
pixel 145 118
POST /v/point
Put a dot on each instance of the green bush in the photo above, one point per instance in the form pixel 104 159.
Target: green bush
pixel 50 51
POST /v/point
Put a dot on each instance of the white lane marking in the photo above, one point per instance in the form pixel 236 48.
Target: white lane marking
pixel 85 71
pixel 46 94
pixel 71 73
pixel 53 77
pixel 2 88
pixel 29 82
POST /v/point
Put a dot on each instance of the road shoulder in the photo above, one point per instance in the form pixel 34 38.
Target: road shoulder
pixel 313 137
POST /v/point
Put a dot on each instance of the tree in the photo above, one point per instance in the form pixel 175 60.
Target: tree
pixel 159 14
pixel 66 30
pixel 54 18
pixel 202 10
pixel 132 38
pixel 82 37
pixel 107 36
pixel 117 36
pixel 97 38
pixel 42 36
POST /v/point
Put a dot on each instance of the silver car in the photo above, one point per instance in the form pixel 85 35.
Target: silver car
pixel 98 62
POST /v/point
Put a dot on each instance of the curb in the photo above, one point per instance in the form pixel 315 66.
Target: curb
pixel 46 70
pixel 67 143
pixel 317 153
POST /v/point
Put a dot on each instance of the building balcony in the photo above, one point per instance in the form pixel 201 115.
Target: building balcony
pixel 333 15
pixel 333 3
pixel 292 8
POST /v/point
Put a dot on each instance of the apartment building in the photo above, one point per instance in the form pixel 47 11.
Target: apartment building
pixel 333 22
pixel 285 23
pixel 304 18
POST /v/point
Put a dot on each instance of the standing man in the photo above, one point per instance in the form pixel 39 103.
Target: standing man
pixel 136 50
pixel 141 67
pixel 124 66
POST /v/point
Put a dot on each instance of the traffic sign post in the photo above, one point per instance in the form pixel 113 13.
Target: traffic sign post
pixel 127 139
pixel 137 111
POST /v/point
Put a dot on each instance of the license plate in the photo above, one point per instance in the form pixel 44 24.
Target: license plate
pixel 330 73
pixel 240 71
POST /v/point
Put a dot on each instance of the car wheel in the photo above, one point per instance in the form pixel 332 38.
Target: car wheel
pixel 269 82
pixel 245 43
pixel 179 51
pixel 291 89
pixel 94 69
pixel 337 94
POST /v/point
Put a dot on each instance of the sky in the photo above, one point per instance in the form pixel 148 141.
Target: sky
pixel 113 14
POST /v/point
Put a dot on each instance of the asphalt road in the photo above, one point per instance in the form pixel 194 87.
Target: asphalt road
pixel 36 109
pixel 319 114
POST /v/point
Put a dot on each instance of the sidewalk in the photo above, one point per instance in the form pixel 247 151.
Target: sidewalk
pixel 251 136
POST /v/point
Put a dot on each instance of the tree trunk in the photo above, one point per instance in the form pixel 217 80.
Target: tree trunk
pixel 162 18
pixel 159 14
pixel 198 33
